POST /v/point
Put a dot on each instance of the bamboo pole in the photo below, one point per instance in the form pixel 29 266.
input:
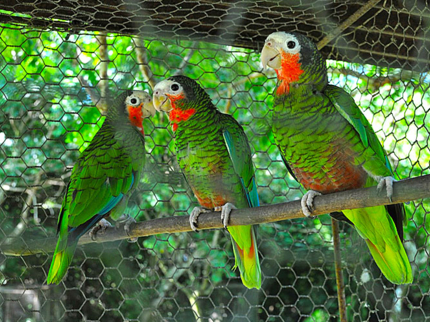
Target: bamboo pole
pixel 404 191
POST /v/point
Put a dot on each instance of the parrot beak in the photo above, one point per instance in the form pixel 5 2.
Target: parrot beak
pixel 161 100
pixel 162 103
pixel 270 56
pixel 148 109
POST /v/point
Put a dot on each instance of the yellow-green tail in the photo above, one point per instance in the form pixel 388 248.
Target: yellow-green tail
pixel 381 234
pixel 394 264
pixel 247 261
pixel 61 261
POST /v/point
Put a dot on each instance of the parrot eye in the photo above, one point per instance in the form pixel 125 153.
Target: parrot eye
pixel 133 101
pixel 291 44
pixel 174 87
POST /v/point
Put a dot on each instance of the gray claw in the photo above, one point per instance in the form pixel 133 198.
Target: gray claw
pixel 388 183
pixel 307 202
pixel 128 222
pixel 225 213
pixel 193 217
pixel 100 228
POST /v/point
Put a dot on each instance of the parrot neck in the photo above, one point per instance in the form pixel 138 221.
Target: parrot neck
pixel 124 126
pixel 135 117
pixel 140 129
pixel 181 119
pixel 183 110
pixel 177 116
pixel 292 72
pixel 289 72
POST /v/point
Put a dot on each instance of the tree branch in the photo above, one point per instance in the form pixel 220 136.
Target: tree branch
pixel 186 59
pixel 404 191
pixel 142 59
pixel 99 98
pixel 374 83
pixel 103 73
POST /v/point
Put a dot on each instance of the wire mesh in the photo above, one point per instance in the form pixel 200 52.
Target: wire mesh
pixel 51 81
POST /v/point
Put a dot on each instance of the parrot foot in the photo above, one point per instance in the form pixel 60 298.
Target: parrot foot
pixel 194 215
pixel 225 213
pixel 128 221
pixel 99 228
pixel 308 201
pixel 388 183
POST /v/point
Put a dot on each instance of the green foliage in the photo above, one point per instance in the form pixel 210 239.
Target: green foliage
pixel 47 118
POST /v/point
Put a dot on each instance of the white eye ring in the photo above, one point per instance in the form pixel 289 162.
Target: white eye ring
pixel 175 87
pixel 291 44
pixel 133 101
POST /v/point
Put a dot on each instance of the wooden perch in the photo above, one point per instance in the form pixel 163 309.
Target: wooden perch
pixel 404 191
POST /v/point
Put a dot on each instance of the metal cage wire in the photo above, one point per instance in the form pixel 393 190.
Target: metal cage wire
pixel 52 79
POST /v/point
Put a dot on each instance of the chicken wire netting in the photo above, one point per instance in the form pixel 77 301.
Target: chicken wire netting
pixel 50 82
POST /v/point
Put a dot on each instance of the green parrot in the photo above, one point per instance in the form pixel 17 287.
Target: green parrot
pixel 328 145
pixel 214 154
pixel 103 177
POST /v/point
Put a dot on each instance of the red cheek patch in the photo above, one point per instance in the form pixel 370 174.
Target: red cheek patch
pixel 177 115
pixel 136 117
pixel 289 72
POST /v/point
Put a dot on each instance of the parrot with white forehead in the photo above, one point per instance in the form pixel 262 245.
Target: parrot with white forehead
pixel 328 145
pixel 104 176
pixel 214 155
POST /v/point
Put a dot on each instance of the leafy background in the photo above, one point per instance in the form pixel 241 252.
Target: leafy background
pixel 48 117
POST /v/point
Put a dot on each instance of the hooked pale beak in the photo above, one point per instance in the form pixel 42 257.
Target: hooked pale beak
pixel 148 109
pixel 161 100
pixel 270 57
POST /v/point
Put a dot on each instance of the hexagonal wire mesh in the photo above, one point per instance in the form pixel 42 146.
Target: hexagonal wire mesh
pixel 48 79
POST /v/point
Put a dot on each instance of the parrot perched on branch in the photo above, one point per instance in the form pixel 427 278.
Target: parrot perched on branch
pixel 328 145
pixel 214 155
pixel 104 176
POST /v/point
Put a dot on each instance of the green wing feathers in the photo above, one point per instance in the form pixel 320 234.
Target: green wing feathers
pixel 240 155
pixel 243 237
pixel 375 224
pixel 105 170
pixel 347 107
pixel 100 184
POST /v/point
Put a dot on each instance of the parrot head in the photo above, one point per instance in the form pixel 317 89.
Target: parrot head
pixel 138 105
pixel 293 56
pixel 181 97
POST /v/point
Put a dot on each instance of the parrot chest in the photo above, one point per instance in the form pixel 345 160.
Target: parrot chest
pixel 320 146
pixel 206 164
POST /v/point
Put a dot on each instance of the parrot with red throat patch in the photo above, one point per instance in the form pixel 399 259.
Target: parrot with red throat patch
pixel 328 145
pixel 104 176
pixel 214 154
